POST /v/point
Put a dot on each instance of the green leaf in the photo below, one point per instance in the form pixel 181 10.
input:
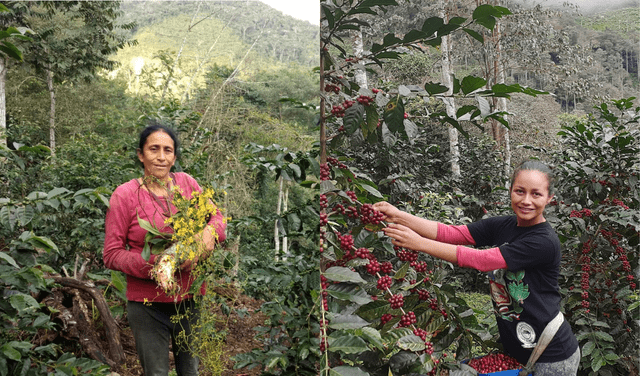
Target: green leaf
pixel 9 259
pixel 5 218
pixel 611 357
pixel 118 281
pixel 402 272
pixel 10 353
pixel 603 336
pixel 146 225
pixel 431 25
pixel 342 322
pixel 24 214
pixel 587 348
pixel 436 88
pixel 474 34
pixel 472 83
pixel 146 252
pixel 372 336
pixel 353 117
pixel 23 302
pixel 597 361
pixel 411 343
pixel 11 51
pixel 351 292
pixel 370 126
pixel 347 371
pixel 413 36
pixel 42 242
pixel 342 274
pixel 394 115
pixel 55 192
pixel 348 344
pixel 374 310
pixel 372 190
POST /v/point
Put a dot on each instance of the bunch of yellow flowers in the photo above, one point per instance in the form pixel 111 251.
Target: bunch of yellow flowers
pixel 188 222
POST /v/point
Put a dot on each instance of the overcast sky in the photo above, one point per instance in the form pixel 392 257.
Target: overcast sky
pixel 307 10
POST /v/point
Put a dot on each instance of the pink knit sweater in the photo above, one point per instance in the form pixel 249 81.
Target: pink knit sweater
pixel 124 238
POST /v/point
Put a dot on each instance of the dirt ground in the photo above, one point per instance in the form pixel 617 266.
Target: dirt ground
pixel 239 337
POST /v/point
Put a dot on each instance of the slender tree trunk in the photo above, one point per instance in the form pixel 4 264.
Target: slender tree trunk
pixel 358 45
pixel 502 104
pixel 276 231
pixel 285 207
pixel 447 74
pixel 52 113
pixel 3 105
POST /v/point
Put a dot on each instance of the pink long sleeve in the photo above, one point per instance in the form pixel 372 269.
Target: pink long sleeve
pixel 483 260
pixel 118 253
pixel 454 235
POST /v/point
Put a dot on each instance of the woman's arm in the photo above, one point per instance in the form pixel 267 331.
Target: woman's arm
pixel 426 228
pixel 115 255
pixel 405 237
pixel 422 226
pixel 483 260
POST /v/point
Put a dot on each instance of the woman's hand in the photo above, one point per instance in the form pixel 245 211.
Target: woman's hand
pixel 189 265
pixel 404 237
pixel 391 213
pixel 163 272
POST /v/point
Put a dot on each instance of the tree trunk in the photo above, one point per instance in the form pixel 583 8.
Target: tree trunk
pixel 84 319
pixel 285 207
pixel 3 103
pixel 503 132
pixel 276 231
pixel 52 113
pixel 358 46
pixel 447 74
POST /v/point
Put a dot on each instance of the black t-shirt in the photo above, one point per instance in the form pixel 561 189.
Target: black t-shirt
pixel 526 295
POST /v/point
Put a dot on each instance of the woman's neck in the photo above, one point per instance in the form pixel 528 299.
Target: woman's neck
pixel 156 186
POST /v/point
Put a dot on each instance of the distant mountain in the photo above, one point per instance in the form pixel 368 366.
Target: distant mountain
pixel 282 38
pixel 625 20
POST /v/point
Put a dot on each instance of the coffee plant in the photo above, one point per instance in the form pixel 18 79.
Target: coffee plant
pixel 597 218
pixel 383 308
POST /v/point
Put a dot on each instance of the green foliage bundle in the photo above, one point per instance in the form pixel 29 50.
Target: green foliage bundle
pixel 26 261
pixel 596 214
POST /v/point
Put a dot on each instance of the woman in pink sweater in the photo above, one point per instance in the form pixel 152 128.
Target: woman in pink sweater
pixel 149 308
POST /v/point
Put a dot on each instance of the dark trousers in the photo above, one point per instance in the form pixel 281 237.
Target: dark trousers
pixel 155 326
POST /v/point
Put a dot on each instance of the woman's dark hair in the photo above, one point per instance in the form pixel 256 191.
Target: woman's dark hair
pixel 534 165
pixel 155 127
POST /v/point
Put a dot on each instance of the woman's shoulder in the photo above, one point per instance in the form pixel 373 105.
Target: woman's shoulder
pixel 501 220
pixel 127 187
pixel 181 177
pixel 186 182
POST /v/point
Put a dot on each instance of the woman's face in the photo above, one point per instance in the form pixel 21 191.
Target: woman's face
pixel 158 155
pixel 529 196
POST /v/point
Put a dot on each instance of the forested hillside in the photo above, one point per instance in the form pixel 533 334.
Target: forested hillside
pixel 275 35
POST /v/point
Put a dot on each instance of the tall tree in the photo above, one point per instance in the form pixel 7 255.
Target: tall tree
pixel 72 41
pixel 449 102
pixel 8 52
